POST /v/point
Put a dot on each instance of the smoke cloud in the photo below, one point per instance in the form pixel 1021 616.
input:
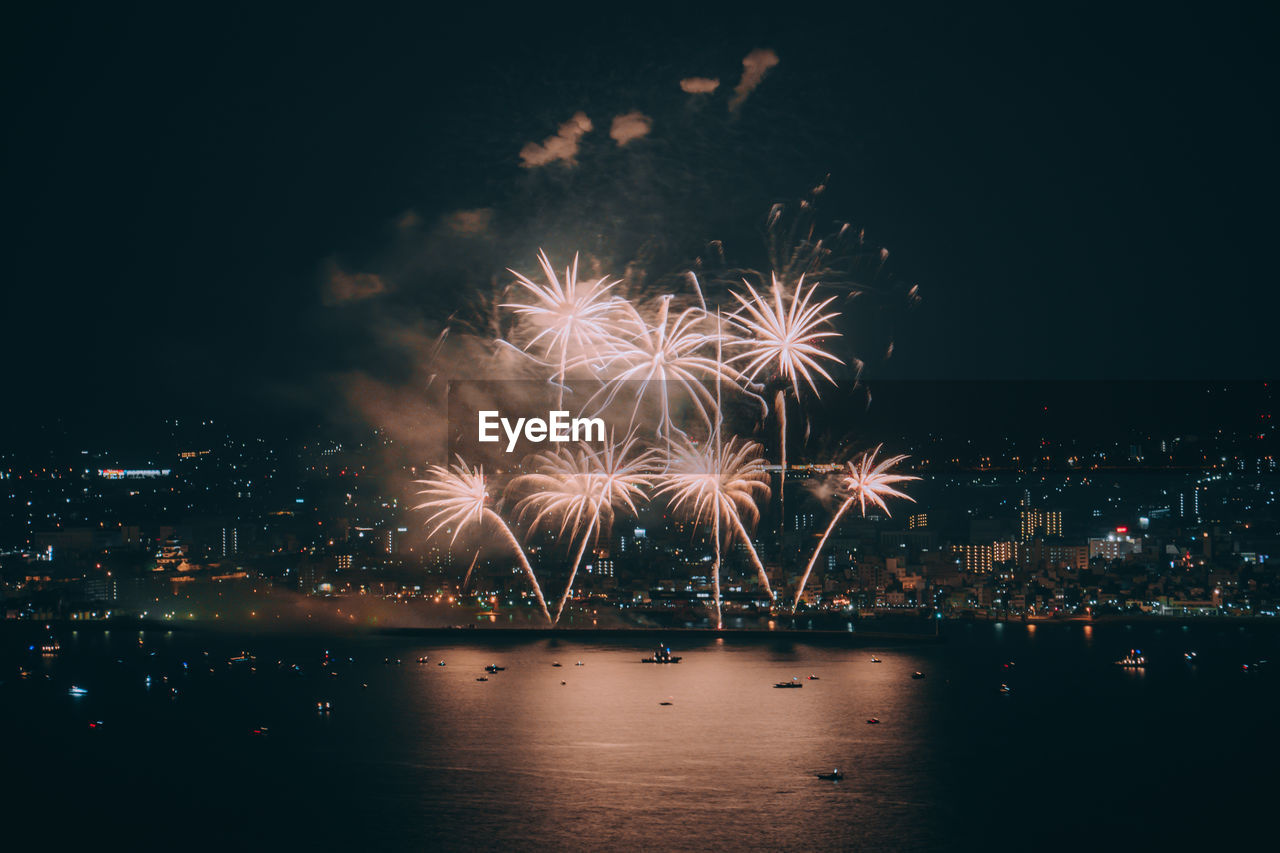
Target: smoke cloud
pixel 700 85
pixel 755 65
pixel 629 126
pixel 562 146
pixel 342 286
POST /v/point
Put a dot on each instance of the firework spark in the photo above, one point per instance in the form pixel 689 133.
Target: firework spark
pixel 719 482
pixel 862 482
pixel 457 496
pixel 583 489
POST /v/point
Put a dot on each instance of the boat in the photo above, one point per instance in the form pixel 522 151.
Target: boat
pixel 662 654
pixel 243 657
pixel 875 659
pixel 1189 657
pixel 483 678
pixel 666 702
pixel 814 678
pixel 833 776
pixel 493 667
pixel 563 683
pixel 440 664
pixel 1006 689
pixel 792 683
pixel 557 663
pixel 77 691
pixel 423 659
pixel 579 663
pixel 917 675
pixel 873 721
pixel 1133 659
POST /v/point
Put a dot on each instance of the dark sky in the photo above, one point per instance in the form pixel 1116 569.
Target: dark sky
pixel 1077 194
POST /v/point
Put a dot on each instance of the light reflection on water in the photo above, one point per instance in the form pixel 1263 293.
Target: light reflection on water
pixel 428 755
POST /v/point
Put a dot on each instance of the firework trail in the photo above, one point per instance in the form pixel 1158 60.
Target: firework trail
pixel 588 484
pixel 718 483
pixel 470 568
pixel 457 496
pixel 863 481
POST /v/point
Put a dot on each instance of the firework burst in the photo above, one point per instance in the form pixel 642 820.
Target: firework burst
pixel 571 317
pixel 784 334
pixel 456 496
pixel 863 481
pixel 583 489
pixel 717 484
pixel 665 357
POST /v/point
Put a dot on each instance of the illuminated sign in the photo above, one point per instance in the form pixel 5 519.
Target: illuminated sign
pixel 133 473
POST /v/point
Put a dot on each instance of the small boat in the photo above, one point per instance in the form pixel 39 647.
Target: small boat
pixel 814 678
pixel 392 661
pixel 440 664
pixel 1189 657
pixel 563 683
pixel 423 659
pixel 917 675
pixel 77 691
pixel 1006 689
pixel 243 657
pixel 792 683
pixel 493 667
pixel 1133 659
pixel 662 655
pixel 873 721
pixel 875 659
pixel 261 731
pixel 557 663
pixel 579 663
pixel 323 707
pixel 666 702
pixel 833 776
pixel 483 678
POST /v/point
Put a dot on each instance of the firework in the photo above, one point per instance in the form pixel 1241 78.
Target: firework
pixel 666 356
pixel 720 482
pixel 572 317
pixel 785 332
pixel 862 482
pixel 583 488
pixel 784 337
pixel 457 496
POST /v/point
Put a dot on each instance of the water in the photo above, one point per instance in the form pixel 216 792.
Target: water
pixel 426 757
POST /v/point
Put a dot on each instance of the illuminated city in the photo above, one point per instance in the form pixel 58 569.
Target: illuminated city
pixel 434 428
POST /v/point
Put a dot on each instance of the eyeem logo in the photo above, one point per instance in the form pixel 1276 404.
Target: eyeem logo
pixel 557 426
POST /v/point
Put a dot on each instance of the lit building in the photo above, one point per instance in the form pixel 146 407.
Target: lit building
pixel 984 558
pixel 1042 522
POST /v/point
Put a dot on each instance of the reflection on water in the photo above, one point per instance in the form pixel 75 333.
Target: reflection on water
pixel 584 757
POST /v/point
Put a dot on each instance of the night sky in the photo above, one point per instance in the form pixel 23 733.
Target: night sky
pixel 1082 195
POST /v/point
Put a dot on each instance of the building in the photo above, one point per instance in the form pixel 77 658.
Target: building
pixel 984 558
pixel 1040 522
